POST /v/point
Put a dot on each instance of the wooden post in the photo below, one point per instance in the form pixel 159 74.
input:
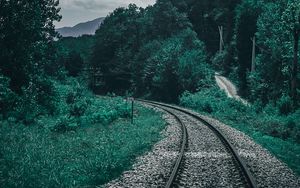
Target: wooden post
pixel 132 105
pixel 221 38
pixel 253 55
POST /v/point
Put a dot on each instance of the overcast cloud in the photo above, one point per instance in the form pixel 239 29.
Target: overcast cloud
pixel 76 11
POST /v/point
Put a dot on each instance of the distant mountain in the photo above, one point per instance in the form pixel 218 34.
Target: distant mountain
pixel 87 28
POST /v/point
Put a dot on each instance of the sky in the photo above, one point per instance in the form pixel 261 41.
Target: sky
pixel 77 11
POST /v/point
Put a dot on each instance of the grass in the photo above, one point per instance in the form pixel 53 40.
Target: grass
pixel 86 151
pixel 280 134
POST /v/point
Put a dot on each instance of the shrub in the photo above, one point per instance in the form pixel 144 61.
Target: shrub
pixel 285 105
pixel 34 156
pixel 65 124
pixel 7 97
pixel 218 60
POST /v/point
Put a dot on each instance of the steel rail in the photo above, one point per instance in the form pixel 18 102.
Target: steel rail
pixel 240 162
pixel 183 144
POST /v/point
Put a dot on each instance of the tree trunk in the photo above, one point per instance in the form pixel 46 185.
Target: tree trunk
pixel 295 68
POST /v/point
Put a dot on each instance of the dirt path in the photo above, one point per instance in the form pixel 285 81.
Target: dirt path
pixel 229 88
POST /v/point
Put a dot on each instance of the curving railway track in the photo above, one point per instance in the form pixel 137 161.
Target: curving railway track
pixel 204 150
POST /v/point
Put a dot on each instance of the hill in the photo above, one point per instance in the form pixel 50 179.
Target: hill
pixel 86 28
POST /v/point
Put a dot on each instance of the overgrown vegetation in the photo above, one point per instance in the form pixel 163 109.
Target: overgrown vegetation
pixel 71 151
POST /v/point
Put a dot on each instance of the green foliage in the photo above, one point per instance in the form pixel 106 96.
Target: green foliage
pixel 26 33
pixel 74 63
pixel 273 65
pixel 75 155
pixel 291 16
pixel 207 15
pixel 37 99
pixel 26 56
pixel 245 28
pixel 80 45
pixel 7 97
pixel 179 64
pixel 117 40
pixel 218 60
pixel 77 107
pixel 65 124
pixel 167 20
pixel 73 56
pixel 149 52
pixel 285 105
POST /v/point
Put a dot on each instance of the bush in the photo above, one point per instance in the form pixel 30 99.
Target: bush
pixel 65 124
pixel 218 60
pixel 76 102
pixel 7 97
pixel 35 156
pixel 285 105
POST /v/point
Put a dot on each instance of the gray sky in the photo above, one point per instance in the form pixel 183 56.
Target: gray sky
pixel 77 11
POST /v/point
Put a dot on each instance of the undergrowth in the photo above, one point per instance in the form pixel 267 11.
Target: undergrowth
pixel 86 142
pixel 279 133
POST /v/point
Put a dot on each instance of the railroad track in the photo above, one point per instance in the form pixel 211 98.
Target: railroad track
pixel 235 171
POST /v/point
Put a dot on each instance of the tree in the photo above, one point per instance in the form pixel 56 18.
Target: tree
pixel 207 15
pixel 276 60
pixel 172 66
pixel 245 28
pixel 152 52
pixel 26 41
pixel 118 38
pixel 291 20
pixel 167 20
pixel 74 63
pixel 26 33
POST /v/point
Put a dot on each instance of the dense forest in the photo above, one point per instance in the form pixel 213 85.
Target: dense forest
pixel 166 52
pixel 174 46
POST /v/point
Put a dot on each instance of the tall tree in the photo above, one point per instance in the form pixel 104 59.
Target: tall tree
pixel 117 40
pixel 277 58
pixel 245 28
pixel 27 51
pixel 26 33
pixel 74 63
pixel 167 20
pixel 291 20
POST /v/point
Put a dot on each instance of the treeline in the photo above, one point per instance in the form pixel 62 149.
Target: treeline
pixel 165 49
pixel 152 52
pixel 156 52
pixel 273 76
pixel 37 72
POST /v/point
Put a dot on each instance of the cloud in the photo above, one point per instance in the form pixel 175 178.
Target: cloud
pixel 102 5
pixel 96 5
pixel 76 11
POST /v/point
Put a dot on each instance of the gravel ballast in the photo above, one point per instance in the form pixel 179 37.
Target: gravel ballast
pixel 154 168
pixel 206 163
pixel 267 170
